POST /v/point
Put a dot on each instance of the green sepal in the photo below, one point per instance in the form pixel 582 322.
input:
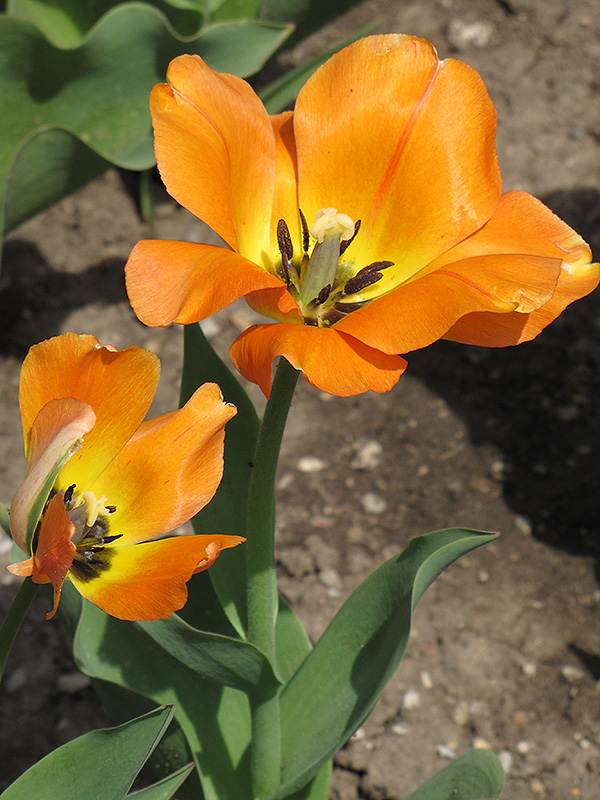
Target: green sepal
pixel 100 765
pixel 476 775
pixel 340 681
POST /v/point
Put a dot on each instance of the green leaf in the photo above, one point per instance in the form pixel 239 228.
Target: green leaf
pixel 281 92
pixel 164 789
pixel 226 513
pixel 340 681
pixel 292 642
pixel 100 765
pixel 214 719
pixel 63 108
pixel 224 660
pixel 476 775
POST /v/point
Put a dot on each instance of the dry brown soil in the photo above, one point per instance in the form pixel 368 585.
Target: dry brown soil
pixel 505 651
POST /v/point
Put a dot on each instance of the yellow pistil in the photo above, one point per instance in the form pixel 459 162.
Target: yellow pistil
pixel 329 229
pixel 94 508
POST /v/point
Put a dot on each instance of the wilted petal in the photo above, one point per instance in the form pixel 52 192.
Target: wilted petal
pixel 56 434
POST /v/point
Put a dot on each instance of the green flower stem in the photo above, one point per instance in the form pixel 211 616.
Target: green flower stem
pixel 14 619
pixel 262 581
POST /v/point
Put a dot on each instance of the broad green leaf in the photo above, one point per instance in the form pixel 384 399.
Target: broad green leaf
pixel 237 9
pixel 226 513
pixel 319 788
pixel 164 789
pixel 63 108
pixel 214 719
pixel 340 681
pixel 208 656
pixel 171 754
pixel 476 775
pixel 78 770
pixel 281 92
pixel 292 642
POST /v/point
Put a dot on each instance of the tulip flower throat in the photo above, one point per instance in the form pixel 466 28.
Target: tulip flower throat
pixel 323 284
pixel 89 516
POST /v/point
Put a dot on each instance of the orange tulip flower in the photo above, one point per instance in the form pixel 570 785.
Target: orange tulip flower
pixel 101 482
pixel 368 223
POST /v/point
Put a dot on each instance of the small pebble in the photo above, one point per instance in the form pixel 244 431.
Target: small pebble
pixel 461 714
pixel 572 674
pixel 368 455
pixel 445 751
pixel 373 503
pixel 483 576
pixel 72 682
pixel 479 743
pixel 411 699
pixel 311 464
pixel 210 327
pixel 15 681
pixel 331 579
pixel 426 681
pixel 529 668
pixel 537 787
pixel 522 525
pixel 505 757
pixel 464 34
pixel 523 747
pixel 399 728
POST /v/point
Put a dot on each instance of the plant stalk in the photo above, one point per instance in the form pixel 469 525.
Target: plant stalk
pixel 262 583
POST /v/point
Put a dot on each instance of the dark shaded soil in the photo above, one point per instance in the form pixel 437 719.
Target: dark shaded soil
pixel 505 651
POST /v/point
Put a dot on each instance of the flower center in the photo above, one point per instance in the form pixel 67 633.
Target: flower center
pixel 322 282
pixel 90 516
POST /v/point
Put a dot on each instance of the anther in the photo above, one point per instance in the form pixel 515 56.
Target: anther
pixel 323 294
pixel 346 244
pixel 68 495
pixel 286 249
pixel 367 276
pixel 284 240
pixel 305 235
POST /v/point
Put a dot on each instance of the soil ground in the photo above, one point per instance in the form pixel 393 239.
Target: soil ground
pixel 505 651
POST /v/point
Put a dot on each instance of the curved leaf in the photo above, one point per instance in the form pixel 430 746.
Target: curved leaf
pixel 214 719
pixel 65 106
pixel 476 775
pixel 340 681
pixel 78 769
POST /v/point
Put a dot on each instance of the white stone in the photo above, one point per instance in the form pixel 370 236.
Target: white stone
pixel 373 503
pixel 311 464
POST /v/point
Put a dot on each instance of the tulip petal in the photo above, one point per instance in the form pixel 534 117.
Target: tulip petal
pixel 331 361
pixel 56 434
pixel 148 581
pixel 388 134
pixel 185 282
pixel 169 469
pixel 521 224
pixel 421 312
pixel 215 151
pixel 503 330
pixel 118 385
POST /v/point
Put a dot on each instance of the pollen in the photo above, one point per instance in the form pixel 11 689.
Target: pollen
pixel 329 222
